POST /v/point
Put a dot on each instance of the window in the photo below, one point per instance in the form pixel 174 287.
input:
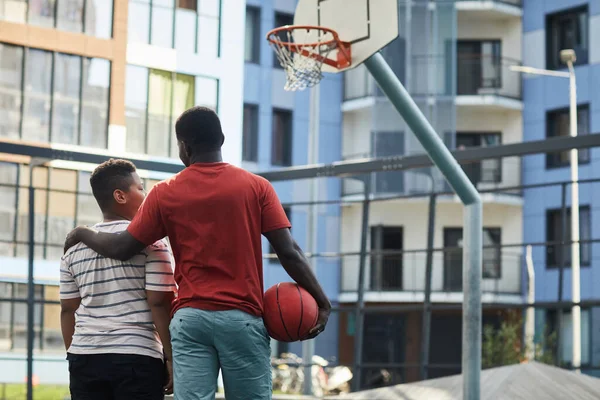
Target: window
pixel 558 124
pixel 65 109
pixel 11 64
pixel 282 19
pixel 281 145
pixel 385 144
pixel 188 25
pixel 250 133
pixel 488 171
pixel 567 30
pixel 95 93
pixel 554 230
pixel 8 205
pixel 288 213
pixel 154 99
pixel 492 257
pixel 479 66
pixel 36 110
pixel 252 39
pixel 41 13
pixel 386 269
pixel 65 97
pixel 99 18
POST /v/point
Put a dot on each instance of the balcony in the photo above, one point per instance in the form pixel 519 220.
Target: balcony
pixel 491 9
pixel 388 272
pixel 486 80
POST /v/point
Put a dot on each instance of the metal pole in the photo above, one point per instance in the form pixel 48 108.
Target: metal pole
pixel 30 285
pixel 360 301
pixel 308 346
pixel 426 322
pixel 530 317
pixel 442 158
pixel 575 267
pixel 561 267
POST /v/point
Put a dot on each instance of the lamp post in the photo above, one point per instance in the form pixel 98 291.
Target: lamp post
pixel 568 57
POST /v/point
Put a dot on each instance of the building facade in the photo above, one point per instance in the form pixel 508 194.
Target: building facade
pixel 98 77
pixel 454 58
pixel 276 135
pixel 549 27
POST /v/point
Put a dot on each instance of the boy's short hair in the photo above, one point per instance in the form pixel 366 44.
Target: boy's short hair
pixel 200 129
pixel 109 176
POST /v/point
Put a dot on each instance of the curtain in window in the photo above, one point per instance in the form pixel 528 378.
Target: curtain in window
pixel 182 100
pixel 159 112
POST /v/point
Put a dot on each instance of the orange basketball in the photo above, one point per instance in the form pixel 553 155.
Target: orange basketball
pixel 290 312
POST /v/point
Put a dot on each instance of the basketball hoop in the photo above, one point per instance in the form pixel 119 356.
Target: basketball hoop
pixel 302 50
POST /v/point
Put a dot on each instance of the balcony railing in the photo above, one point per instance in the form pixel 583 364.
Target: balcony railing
pixel 493 174
pixel 405 271
pixel 433 75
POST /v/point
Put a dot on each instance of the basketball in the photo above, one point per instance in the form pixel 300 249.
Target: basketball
pixel 290 312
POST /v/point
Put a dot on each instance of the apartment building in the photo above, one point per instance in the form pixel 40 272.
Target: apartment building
pixel 454 58
pixel 100 77
pixel 276 135
pixel 548 28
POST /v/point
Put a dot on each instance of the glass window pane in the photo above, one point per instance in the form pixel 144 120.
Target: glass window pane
pixel 11 65
pixel 252 37
pixel 185 35
pixel 159 112
pixel 98 18
pixel 164 3
pixel 182 100
pixel 41 13
pixel 208 36
pixel 36 110
pixel 162 17
pixel 61 210
pixel 94 107
pixel 70 15
pixel 207 92
pixel 138 25
pixel 65 113
pixel 8 194
pixel 13 10
pixel 210 7
pixel 88 212
pixel 136 97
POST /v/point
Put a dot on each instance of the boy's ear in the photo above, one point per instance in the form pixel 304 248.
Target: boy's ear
pixel 119 196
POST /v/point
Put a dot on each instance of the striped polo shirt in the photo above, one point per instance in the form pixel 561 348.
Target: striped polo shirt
pixel 114 316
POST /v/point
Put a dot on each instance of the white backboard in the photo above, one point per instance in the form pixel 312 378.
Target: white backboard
pixel 368 25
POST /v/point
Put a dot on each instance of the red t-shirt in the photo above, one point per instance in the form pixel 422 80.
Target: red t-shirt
pixel 214 215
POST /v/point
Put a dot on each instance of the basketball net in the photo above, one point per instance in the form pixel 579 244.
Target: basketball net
pixel 301 60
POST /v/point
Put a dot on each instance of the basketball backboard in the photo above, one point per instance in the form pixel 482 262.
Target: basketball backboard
pixel 368 25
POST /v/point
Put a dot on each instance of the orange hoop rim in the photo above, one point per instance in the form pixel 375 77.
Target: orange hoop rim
pixel 344 53
pixel 273 32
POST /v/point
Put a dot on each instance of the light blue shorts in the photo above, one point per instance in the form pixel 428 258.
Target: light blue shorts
pixel 234 341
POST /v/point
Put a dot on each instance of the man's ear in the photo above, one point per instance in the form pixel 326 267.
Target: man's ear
pixel 188 150
pixel 120 196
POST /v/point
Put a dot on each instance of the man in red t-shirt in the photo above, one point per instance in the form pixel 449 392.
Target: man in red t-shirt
pixel 214 214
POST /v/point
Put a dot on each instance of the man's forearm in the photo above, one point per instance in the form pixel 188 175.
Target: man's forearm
pixel 109 245
pixel 161 314
pixel 67 327
pixel 298 268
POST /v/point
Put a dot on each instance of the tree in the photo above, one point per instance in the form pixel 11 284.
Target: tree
pixel 504 346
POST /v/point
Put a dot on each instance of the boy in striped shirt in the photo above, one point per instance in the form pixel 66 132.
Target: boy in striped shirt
pixel 115 314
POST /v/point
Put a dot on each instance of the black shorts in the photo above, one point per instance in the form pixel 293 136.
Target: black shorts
pixel 116 377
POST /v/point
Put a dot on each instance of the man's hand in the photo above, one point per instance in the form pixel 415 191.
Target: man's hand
pixel 321 323
pixel 72 238
pixel 169 384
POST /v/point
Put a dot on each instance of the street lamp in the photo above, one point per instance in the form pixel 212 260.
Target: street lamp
pixel 568 57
